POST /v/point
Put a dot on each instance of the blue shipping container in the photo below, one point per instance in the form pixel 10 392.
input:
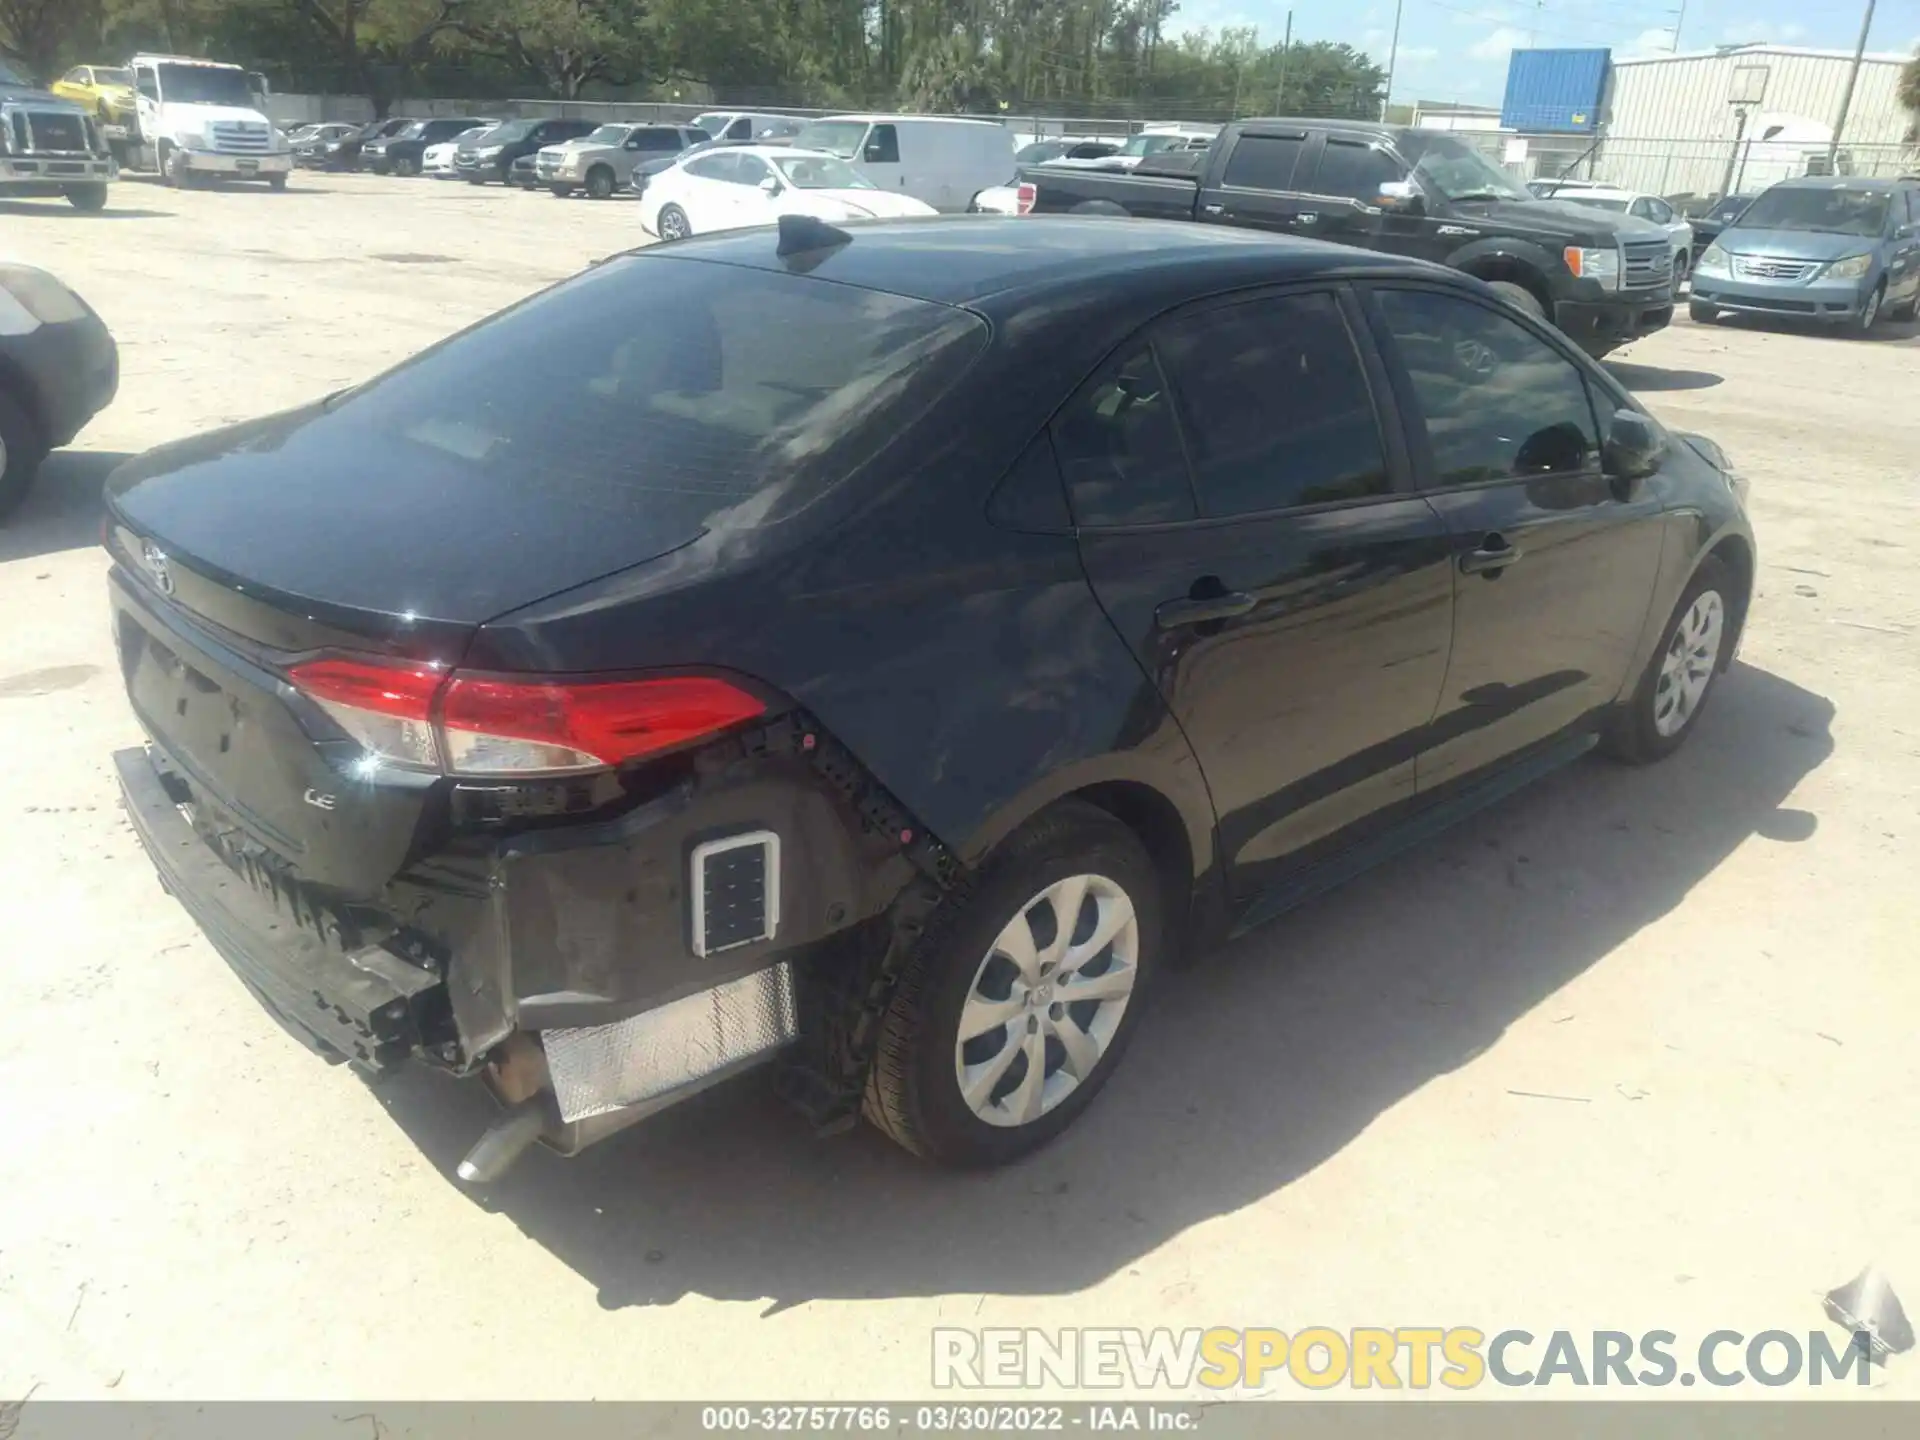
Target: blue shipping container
pixel 1555 91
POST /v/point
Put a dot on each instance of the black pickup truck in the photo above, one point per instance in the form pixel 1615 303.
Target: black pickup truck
pixel 1604 279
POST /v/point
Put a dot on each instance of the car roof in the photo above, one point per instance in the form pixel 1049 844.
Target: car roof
pixel 1604 192
pixel 884 119
pixel 957 260
pixel 1835 182
pixel 768 152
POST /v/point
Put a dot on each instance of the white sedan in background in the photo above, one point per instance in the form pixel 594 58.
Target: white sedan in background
pixel 1630 202
pixel 437 160
pixel 730 187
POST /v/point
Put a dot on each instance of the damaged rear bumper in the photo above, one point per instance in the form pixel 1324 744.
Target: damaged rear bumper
pixel 593 974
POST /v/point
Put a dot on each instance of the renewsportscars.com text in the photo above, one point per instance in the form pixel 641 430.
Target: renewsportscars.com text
pixel 1377 1358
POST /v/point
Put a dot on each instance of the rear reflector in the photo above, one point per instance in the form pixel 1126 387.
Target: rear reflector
pixel 1024 197
pixel 512 725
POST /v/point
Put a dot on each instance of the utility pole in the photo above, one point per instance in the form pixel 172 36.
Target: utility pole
pixel 1678 20
pixel 1846 95
pixel 1393 55
pixel 1286 54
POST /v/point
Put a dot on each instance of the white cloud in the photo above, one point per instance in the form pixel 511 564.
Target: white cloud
pixel 1763 32
pixel 1498 42
pixel 1657 41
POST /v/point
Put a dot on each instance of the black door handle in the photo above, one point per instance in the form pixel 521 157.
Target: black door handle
pixel 1172 614
pixel 1493 556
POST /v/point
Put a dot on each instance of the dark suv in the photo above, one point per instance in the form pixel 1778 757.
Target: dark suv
pixel 491 156
pixel 400 154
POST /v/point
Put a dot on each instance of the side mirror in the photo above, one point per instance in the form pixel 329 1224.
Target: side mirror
pixel 771 186
pixel 1401 196
pixel 1634 446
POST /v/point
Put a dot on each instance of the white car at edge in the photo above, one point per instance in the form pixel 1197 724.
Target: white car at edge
pixel 730 187
pixel 437 160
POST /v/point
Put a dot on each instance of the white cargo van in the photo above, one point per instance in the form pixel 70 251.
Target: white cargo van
pixel 943 160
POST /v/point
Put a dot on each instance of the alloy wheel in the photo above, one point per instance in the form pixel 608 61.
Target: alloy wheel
pixel 1687 668
pixel 1047 999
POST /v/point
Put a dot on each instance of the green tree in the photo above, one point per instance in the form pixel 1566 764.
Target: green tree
pixel 566 44
pixel 1908 93
pixel 37 33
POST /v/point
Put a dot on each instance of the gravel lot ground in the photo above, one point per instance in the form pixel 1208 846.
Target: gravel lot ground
pixel 1634 1050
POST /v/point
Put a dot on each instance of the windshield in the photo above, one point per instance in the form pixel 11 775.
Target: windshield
pixel 756 392
pixel 1458 171
pixel 205 85
pixel 113 77
pixel 512 130
pixel 609 135
pixel 836 137
pixel 821 172
pixel 1828 211
pixel 1593 202
pixel 713 122
pixel 1732 207
pixel 1040 151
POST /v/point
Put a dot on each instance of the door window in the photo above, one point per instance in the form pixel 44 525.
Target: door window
pixel 718 166
pixel 147 85
pixel 1659 211
pixel 749 170
pixel 1497 401
pixel 740 129
pixel 1274 405
pixel 1355 170
pixel 1119 447
pixel 1264 162
pixel 883 146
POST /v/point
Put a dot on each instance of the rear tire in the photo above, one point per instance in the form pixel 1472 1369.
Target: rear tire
pixel 1906 310
pixel 21 451
pixel 90 198
pixel 1682 671
pixel 1518 296
pixel 672 223
pixel 984 1054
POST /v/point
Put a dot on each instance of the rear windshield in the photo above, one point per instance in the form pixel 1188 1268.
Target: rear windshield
pixel 673 392
pixel 1834 212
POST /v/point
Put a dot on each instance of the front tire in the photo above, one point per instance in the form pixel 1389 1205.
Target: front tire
pixel 1702 313
pixel 276 182
pixel 1518 296
pixel 672 223
pixel 1869 316
pixel 173 166
pixel 90 198
pixel 1682 671
pixel 599 183
pixel 21 451
pixel 406 167
pixel 1017 1001
pixel 561 192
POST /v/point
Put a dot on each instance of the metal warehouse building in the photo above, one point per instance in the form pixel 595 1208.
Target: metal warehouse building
pixel 1681 125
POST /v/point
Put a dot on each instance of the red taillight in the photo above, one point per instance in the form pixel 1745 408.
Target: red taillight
pixel 1024 198
pixel 502 725
pixel 510 725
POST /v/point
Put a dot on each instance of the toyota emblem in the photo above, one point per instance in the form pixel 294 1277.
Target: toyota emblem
pixel 154 561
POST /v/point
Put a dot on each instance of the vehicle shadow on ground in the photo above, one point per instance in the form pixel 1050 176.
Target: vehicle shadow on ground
pixel 1246 1074
pixel 62 511
pixel 1887 332
pixel 58 208
pixel 1655 379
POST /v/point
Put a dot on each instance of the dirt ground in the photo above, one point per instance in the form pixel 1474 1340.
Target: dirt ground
pixel 1634 1050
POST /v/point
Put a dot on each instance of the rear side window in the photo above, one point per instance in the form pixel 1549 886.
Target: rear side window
pixel 1276 407
pixel 716 166
pixel 1355 170
pixel 1264 162
pixel 657 140
pixel 1498 401
pixel 675 394
pixel 1118 446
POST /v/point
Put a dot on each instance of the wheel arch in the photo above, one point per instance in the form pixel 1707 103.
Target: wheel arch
pixel 1522 265
pixel 1736 554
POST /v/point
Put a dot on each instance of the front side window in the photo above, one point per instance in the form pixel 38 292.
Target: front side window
pixel 883 146
pixel 1119 448
pixel 1275 405
pixel 1497 401
pixel 1355 170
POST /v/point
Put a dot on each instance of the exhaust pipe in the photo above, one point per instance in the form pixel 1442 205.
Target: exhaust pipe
pixel 506 1140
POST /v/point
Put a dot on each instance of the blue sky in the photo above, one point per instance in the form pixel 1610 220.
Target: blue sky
pixel 1457 49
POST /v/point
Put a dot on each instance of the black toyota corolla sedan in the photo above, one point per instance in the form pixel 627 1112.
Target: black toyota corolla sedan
pixel 880 651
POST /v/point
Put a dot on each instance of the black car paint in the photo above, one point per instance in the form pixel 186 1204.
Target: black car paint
pixel 936 664
pixel 382 156
pixel 1518 240
pixel 468 165
pixel 64 373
